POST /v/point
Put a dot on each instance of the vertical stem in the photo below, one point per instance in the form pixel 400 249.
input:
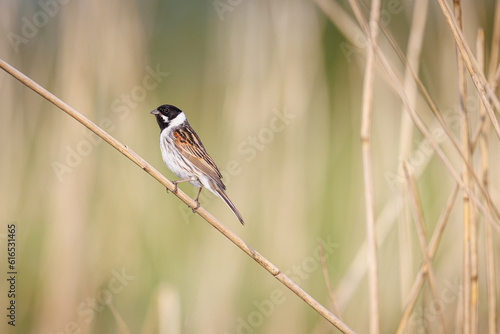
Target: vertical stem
pixel 495 52
pixel 469 274
pixel 367 170
pixel 406 135
pixel 483 144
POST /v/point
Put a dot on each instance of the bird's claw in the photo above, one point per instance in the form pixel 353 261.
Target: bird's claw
pixel 196 207
pixel 175 188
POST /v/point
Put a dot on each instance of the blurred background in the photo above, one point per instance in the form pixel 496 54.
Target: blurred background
pixel 274 89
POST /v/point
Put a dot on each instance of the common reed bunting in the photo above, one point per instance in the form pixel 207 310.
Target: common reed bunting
pixel 184 154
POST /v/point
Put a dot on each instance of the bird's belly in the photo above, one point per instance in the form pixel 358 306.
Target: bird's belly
pixel 179 166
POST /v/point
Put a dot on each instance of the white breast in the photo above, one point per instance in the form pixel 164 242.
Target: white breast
pixel 174 160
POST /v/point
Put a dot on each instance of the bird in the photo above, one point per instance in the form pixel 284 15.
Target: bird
pixel 184 154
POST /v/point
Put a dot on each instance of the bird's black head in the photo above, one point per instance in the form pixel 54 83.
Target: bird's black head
pixel 166 113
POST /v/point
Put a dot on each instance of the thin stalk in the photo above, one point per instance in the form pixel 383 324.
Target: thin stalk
pixel 134 157
pixel 469 302
pixel 483 144
pixel 423 129
pixel 405 139
pixel 436 238
pixel 431 250
pixel 331 296
pixel 418 218
pixel 331 10
pixel 368 169
pixel 485 91
pixel 443 124
pixel 337 15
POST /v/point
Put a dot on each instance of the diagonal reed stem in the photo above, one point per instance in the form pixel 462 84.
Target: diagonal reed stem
pixel 483 87
pixel 431 250
pixel 418 218
pixel 388 70
pixel 432 105
pixel 134 157
pixel 433 244
pixel 331 295
pixel 334 11
pixel 439 152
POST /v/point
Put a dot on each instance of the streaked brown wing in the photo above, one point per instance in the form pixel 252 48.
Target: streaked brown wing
pixel 190 146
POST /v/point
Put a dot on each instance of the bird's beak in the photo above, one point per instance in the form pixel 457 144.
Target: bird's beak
pixel 155 112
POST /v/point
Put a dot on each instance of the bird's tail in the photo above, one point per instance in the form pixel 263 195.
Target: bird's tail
pixel 230 204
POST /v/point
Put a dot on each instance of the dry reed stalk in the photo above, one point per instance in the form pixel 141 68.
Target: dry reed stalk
pixel 432 105
pixel 441 121
pixel 485 211
pixel 419 124
pixel 436 147
pixel 365 134
pixel 439 152
pixel 431 250
pixel 484 89
pixel 134 157
pixel 467 279
pixel 405 139
pixel 396 85
pixel 428 136
pixel 474 266
pixel 490 249
pixel 433 244
pixel 418 218
pixel 495 51
pixel 483 143
pixel 331 296
pixel 333 11
pixel 496 79
pixel 339 17
pixel 353 277
pixel 330 9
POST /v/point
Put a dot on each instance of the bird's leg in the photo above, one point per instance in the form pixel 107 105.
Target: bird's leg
pixel 179 181
pixel 196 200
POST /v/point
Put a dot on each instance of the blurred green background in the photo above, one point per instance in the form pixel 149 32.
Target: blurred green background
pixel 274 90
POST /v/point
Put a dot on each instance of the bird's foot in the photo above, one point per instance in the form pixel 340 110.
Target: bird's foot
pixel 175 186
pixel 196 207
